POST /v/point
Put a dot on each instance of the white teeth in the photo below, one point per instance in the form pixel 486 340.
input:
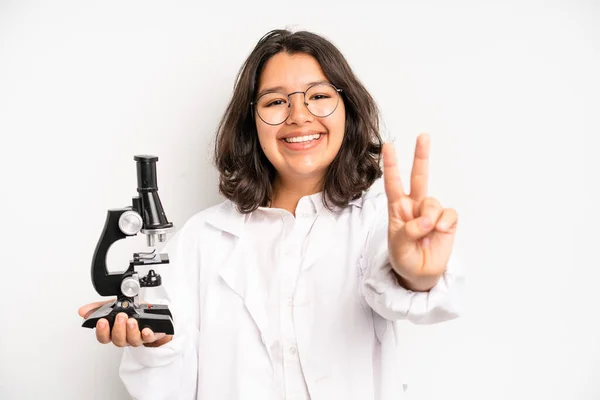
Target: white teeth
pixel 301 139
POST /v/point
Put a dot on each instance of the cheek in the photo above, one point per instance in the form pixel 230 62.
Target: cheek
pixel 338 126
pixel 266 135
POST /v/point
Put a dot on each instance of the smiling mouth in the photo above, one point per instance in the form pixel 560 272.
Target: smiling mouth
pixel 303 139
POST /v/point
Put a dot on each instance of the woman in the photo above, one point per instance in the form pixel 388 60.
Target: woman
pixel 293 286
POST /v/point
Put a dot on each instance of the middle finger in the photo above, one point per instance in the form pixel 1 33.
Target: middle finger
pixel 419 177
pixel 119 334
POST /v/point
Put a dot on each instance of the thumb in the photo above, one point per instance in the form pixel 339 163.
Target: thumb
pixel 85 311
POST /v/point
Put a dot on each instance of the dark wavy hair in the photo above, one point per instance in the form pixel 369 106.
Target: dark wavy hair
pixel 245 173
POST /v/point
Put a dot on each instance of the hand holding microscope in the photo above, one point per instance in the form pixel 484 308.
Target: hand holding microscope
pixel 145 215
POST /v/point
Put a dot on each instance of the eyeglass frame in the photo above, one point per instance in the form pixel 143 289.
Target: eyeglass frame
pixel 253 103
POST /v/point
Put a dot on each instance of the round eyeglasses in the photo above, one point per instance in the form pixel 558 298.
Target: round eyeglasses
pixel 274 108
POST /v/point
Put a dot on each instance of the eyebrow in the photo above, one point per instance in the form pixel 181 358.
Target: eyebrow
pixel 281 88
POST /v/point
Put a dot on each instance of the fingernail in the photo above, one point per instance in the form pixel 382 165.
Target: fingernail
pixel 131 323
pixel 443 226
pixel 120 319
pixel 425 242
pixel 102 324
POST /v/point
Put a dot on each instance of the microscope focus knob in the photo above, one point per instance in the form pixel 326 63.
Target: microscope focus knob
pixel 130 286
pixel 130 223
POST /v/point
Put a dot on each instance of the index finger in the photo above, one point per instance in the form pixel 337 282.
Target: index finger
pixel 419 176
pixel 391 176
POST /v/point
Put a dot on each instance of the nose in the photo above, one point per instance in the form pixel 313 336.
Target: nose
pixel 299 113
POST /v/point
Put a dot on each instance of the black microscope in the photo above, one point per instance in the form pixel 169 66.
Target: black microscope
pixel 146 215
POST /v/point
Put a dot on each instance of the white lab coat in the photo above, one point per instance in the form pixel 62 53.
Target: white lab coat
pixel 346 311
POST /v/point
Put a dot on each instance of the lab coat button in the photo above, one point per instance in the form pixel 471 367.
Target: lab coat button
pixel 293 350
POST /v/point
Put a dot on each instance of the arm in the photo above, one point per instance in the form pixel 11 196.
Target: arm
pixel 387 296
pixel 409 270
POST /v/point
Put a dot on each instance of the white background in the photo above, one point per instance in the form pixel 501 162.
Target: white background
pixel 509 92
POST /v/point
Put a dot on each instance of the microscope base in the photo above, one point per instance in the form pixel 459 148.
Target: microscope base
pixel 156 317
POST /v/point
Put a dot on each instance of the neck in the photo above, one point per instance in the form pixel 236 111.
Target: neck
pixel 287 193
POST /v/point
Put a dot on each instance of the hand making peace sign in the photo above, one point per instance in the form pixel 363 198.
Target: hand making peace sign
pixel 420 232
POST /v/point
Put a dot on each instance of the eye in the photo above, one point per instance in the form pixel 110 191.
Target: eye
pixel 277 102
pixel 320 96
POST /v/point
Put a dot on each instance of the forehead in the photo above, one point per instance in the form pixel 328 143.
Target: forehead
pixel 290 71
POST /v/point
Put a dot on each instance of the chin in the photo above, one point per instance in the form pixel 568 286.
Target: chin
pixel 304 173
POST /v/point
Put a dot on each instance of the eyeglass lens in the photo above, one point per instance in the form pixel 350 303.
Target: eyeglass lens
pixel 321 101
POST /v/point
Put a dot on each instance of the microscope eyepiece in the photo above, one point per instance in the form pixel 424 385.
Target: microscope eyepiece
pixel 146 172
pixel 149 204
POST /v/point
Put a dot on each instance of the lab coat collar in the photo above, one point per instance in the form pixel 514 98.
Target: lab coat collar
pixel 241 272
pixel 243 275
pixel 317 201
pixel 229 219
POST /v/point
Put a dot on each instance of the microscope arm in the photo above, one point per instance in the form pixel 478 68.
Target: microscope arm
pixel 105 283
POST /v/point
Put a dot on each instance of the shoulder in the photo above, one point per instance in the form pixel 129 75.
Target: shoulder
pixel 373 199
pixel 202 228
pixel 199 219
pixel 371 209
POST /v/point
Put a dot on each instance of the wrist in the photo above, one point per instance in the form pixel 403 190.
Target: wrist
pixel 417 284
